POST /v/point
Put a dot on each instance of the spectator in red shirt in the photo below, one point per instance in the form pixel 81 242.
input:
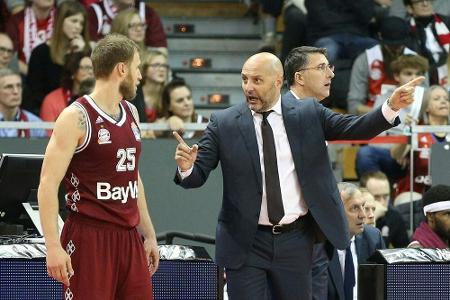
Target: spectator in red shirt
pixel 78 67
pixel 31 27
pixel 102 13
pixel 47 60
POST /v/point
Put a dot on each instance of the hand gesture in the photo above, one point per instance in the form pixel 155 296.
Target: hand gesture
pixel 403 96
pixel 152 252
pixel 59 265
pixel 185 156
pixel 77 44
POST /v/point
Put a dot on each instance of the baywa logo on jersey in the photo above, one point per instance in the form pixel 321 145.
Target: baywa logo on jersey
pixel 136 131
pixel 104 137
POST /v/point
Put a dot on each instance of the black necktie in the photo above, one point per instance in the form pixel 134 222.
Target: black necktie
pixel 349 274
pixel 273 190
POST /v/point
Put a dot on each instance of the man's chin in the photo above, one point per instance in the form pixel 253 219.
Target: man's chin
pixel 129 97
pixel 253 106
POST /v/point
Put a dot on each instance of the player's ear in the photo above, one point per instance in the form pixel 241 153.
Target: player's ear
pixel 121 68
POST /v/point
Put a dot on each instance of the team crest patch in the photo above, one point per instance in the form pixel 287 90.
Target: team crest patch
pixel 104 137
pixel 136 131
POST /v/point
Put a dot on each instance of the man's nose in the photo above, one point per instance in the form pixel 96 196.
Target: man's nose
pixel 248 86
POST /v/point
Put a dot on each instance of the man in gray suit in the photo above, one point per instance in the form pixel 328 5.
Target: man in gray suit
pixel 271 208
pixel 364 241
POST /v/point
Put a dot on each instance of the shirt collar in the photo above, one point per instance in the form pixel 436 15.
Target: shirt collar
pixel 16 117
pixel 276 108
pixel 295 95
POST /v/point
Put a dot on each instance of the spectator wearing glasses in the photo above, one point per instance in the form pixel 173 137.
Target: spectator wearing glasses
pixel 102 13
pixel 390 224
pixel 129 23
pixel 430 36
pixel 78 67
pixel 7 53
pixel 10 102
pixel 155 75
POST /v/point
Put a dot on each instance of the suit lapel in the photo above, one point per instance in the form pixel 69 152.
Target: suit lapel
pixel 247 128
pixel 361 248
pixel 336 274
pixel 292 122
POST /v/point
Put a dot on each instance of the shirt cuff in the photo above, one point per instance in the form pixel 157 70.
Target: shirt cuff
pixel 388 113
pixel 184 174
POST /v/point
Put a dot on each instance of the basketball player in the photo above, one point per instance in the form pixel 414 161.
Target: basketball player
pixel 95 148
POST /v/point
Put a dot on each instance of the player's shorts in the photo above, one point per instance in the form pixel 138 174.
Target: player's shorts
pixel 108 260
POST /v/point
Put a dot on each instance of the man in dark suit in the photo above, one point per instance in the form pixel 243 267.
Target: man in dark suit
pixel 364 241
pixel 305 83
pixel 262 245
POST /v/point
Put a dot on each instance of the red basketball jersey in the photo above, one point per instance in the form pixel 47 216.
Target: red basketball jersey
pixel 102 178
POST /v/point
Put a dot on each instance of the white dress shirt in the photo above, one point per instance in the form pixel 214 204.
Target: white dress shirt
pixel 341 254
pixel 293 203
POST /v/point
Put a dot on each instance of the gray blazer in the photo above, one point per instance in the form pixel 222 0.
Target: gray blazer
pixel 366 243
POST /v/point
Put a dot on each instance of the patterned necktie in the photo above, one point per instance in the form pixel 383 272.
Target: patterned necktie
pixel 273 191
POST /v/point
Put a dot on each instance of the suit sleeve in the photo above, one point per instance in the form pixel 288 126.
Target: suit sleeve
pixel 207 157
pixel 349 127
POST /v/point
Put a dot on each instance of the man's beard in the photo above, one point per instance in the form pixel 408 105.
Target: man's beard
pixel 126 88
pixel 440 230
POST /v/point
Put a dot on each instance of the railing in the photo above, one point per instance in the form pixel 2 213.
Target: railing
pixel 405 137
pixel 143 126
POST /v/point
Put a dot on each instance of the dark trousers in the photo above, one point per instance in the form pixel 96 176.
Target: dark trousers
pixel 277 267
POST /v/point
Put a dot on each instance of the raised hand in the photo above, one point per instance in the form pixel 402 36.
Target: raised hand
pixel 185 156
pixel 403 96
pixel 77 44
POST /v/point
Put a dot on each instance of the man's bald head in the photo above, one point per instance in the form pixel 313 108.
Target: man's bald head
pixel 262 78
pixel 266 61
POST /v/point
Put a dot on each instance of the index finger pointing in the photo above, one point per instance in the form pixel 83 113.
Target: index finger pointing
pixel 179 138
pixel 415 82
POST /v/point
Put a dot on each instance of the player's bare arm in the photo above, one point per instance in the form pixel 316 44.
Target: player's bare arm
pixel 147 230
pixel 68 133
pixel 145 226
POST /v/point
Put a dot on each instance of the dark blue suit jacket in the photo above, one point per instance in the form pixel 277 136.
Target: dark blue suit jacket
pixel 230 139
pixel 366 243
